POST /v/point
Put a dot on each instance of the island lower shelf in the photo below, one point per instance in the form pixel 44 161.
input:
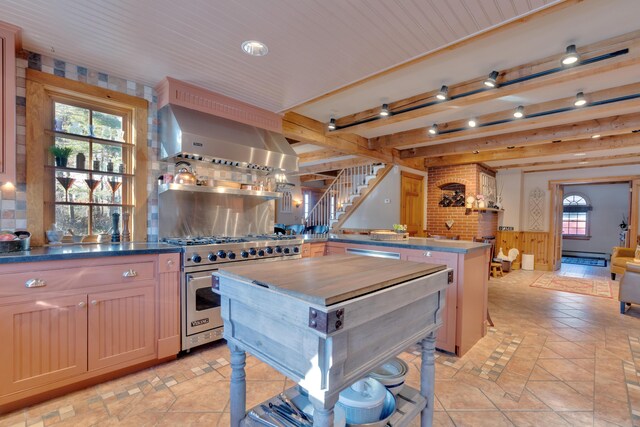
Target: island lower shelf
pixel 409 403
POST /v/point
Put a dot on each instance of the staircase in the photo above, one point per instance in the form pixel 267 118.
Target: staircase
pixel 345 194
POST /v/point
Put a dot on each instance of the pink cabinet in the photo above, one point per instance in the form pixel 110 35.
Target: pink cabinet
pixel 43 341
pixel 66 322
pixel 9 42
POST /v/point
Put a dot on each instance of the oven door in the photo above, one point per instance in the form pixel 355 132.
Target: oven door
pixel 202 305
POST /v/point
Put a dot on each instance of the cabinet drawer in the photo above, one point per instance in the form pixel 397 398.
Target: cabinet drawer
pixel 60 279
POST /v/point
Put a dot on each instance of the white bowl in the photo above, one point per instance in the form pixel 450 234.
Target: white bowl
pixel 391 374
pixel 363 401
pixel 387 411
pixel 55 236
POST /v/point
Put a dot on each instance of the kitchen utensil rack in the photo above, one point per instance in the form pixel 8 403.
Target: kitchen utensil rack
pixel 218 190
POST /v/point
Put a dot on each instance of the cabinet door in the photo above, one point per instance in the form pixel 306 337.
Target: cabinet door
pixel 43 341
pixel 335 249
pixel 317 249
pixel 121 326
pixel 446 339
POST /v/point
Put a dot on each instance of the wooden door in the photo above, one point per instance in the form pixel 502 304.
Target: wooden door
pixel 43 341
pixel 412 203
pixel 555 226
pixel 446 338
pixel 121 326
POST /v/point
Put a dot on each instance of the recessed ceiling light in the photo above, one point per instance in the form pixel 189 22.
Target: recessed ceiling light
pixel 571 56
pixel 579 154
pixel 476 152
pixel 433 130
pixel 582 163
pixel 384 111
pixel 332 124
pixel 519 113
pixel 443 93
pixel 580 100
pixel 472 123
pixel 492 79
pixel 254 48
pixel 595 136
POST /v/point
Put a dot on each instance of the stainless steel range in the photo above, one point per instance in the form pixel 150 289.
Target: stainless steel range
pixel 200 313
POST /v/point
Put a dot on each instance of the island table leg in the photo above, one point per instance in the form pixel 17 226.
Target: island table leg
pixel 428 378
pixel 323 412
pixel 238 387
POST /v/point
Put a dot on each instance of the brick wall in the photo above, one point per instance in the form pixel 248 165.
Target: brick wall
pixel 466 225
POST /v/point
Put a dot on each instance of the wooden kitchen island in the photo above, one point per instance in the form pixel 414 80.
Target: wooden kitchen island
pixel 326 322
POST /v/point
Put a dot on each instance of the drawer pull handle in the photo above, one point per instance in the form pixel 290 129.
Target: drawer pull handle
pixel 94 302
pixel 170 263
pixel 82 304
pixel 427 254
pixel 35 283
pixel 130 273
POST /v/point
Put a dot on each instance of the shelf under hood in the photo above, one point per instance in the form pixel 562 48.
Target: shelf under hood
pixel 192 134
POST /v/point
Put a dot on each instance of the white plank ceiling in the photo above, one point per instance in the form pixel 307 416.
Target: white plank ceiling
pixel 315 46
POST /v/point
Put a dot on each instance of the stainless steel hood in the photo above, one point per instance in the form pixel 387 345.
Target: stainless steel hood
pixel 191 134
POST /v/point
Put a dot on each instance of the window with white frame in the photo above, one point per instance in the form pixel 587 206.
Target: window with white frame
pixel 306 202
pixel 575 216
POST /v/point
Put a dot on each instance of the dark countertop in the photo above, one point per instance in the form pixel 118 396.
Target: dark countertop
pixel 61 252
pixel 443 245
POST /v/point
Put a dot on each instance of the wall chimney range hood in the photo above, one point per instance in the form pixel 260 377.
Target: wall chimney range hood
pixel 191 134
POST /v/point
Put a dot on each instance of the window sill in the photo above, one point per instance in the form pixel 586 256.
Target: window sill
pixel 568 237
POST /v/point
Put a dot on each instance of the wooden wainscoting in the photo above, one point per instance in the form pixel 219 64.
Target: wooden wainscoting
pixel 528 242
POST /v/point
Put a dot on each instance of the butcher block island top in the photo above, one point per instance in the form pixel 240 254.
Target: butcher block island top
pixel 327 322
pixel 332 279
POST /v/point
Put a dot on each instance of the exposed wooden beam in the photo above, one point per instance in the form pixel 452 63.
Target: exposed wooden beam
pixel 585 167
pixel 541 150
pixel 445 49
pixel 577 161
pixel 630 41
pixel 564 112
pixel 331 166
pixel 301 128
pixel 313 156
pixel 579 130
pixel 316 177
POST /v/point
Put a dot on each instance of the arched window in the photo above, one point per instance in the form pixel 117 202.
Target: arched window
pixel 575 216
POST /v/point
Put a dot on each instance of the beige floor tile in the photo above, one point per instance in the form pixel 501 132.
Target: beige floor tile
pixel 480 419
pixel 613 411
pixel 578 418
pixel 559 396
pixel 535 419
pixel 191 419
pixel 565 370
pixel 207 398
pixel 458 395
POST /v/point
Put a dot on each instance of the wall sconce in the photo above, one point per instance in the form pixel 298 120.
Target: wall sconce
pixel 297 203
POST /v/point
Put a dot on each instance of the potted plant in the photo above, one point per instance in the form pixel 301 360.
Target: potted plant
pixel 61 155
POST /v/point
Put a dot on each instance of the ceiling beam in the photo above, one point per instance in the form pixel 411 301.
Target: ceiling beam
pixel 541 150
pixel 332 166
pixel 604 103
pixel 577 161
pixel 578 130
pixel 313 156
pixel 301 128
pixel 605 165
pixel 316 177
pixel 629 41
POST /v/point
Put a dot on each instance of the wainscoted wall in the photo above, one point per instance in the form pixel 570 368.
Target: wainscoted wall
pixel 528 242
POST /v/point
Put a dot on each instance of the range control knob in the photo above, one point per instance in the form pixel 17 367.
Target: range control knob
pixel 244 254
pixel 286 250
pixel 231 255
pixel 252 251
pixel 278 249
pixel 196 258
pixel 212 257
pixel 222 254
pixel 269 250
pixel 296 250
pixel 260 252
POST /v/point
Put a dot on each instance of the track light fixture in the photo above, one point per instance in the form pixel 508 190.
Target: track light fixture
pixel 472 123
pixel 596 136
pixel 580 100
pixel 519 113
pixel 332 124
pixel 433 130
pixel 384 111
pixel 492 79
pixel 571 56
pixel 443 94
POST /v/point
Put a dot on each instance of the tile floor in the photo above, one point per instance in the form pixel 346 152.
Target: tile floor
pixel 552 359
